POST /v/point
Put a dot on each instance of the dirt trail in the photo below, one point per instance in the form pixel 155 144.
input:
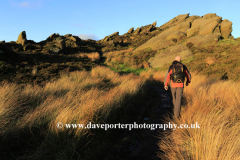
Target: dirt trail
pixel 147 148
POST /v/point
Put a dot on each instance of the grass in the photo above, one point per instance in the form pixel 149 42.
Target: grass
pixel 228 41
pixel 121 68
pixel 129 58
pixel 214 105
pixel 29 114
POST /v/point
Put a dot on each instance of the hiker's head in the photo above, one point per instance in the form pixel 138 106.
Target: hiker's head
pixel 178 58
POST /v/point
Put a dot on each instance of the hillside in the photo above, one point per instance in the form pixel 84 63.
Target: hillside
pixel 205 42
pixel 119 79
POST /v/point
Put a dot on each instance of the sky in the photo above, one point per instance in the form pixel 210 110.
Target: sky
pixel 95 19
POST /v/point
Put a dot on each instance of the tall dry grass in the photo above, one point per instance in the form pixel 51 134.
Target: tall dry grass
pixel 82 97
pixel 214 105
pixel 77 98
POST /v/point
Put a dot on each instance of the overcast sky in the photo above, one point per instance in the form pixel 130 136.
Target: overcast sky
pixel 96 19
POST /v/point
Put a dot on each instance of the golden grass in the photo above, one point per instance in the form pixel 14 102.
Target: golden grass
pixel 81 97
pixel 215 106
pixel 93 55
pixel 118 56
pixel 210 60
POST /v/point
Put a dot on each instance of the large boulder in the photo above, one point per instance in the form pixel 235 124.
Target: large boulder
pixel 163 40
pixel 154 24
pixel 226 28
pixel 208 29
pixel 168 55
pixel 58 47
pixel 75 38
pixel 149 29
pixel 67 35
pixel 208 24
pixel 175 29
pixel 137 31
pixel 107 38
pixel 210 15
pixel 61 44
pixel 179 19
pixel 131 30
pixel 22 38
pixel 114 34
pixel 180 27
pixel 52 36
pixel 204 40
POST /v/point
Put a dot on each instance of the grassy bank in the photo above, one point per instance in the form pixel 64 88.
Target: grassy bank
pixel 29 114
pixel 214 104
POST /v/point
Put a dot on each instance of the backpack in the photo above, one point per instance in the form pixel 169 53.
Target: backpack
pixel 178 75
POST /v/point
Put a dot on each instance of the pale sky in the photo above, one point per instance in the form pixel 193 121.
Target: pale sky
pixel 96 19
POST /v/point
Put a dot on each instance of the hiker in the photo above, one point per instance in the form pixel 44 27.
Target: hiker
pixel 177 73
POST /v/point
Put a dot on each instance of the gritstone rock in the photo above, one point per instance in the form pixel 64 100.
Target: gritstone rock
pixel 204 40
pixel 22 38
pixel 154 24
pixel 226 28
pixel 137 31
pixel 168 55
pixel 107 38
pixel 75 38
pixel 131 30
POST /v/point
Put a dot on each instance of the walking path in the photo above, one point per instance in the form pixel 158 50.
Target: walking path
pixel 147 148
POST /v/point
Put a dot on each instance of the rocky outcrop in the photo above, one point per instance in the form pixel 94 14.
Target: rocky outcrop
pixel 210 24
pixel 154 24
pixel 204 40
pixel 68 35
pixel 52 37
pixel 168 55
pixel 61 44
pixel 179 19
pixel 22 38
pixel 163 40
pixel 208 27
pixel 205 25
pixel 75 38
pixel 107 38
pixel 137 31
pixel 57 46
pixel 149 29
pixel 226 28
pixel 130 30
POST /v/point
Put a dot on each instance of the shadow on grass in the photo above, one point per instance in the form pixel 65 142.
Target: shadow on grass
pixel 40 143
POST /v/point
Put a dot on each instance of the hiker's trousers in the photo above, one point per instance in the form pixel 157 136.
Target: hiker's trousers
pixel 177 97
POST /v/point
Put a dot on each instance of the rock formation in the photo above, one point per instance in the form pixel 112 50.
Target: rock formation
pixel 137 31
pixel 107 38
pixel 75 38
pixel 22 38
pixel 202 31
pixel 204 40
pixel 168 55
pixel 226 28
pixel 154 24
pixel 131 30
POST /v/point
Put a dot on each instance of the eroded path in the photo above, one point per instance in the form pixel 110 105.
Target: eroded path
pixel 146 146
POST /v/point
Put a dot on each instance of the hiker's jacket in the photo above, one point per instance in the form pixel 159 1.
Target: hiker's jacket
pixel 169 72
